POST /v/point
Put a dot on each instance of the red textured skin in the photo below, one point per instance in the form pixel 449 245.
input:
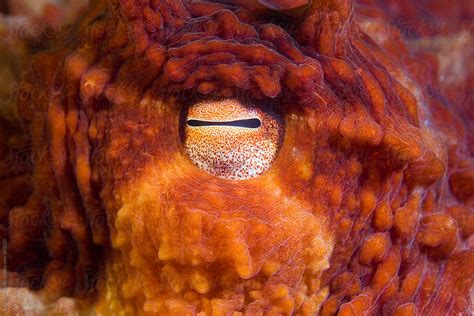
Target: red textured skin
pixel 386 156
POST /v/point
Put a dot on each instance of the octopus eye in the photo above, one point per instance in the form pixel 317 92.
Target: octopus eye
pixel 231 139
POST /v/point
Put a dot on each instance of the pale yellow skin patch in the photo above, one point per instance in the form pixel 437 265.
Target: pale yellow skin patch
pixel 178 252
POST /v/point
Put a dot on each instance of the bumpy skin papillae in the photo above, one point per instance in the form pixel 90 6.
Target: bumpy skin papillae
pixel 367 208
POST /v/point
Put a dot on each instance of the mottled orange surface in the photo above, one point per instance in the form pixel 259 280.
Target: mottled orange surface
pixel 366 210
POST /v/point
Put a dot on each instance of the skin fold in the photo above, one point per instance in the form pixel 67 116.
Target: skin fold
pixel 363 206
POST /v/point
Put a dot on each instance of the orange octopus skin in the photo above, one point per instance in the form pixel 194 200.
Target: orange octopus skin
pixel 366 209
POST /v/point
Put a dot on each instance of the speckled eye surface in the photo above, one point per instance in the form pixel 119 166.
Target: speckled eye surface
pixel 231 139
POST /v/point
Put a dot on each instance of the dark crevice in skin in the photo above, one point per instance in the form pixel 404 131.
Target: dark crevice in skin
pixel 4 7
pixel 246 123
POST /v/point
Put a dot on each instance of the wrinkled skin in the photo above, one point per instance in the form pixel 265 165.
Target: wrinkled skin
pixel 367 208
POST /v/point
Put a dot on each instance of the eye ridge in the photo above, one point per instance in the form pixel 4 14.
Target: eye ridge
pixel 245 123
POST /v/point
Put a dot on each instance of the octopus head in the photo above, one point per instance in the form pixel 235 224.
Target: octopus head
pixel 228 157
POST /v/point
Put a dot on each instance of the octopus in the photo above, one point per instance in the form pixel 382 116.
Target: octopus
pixel 239 157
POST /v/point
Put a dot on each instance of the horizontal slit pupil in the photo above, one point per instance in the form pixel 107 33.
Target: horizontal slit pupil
pixel 247 123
